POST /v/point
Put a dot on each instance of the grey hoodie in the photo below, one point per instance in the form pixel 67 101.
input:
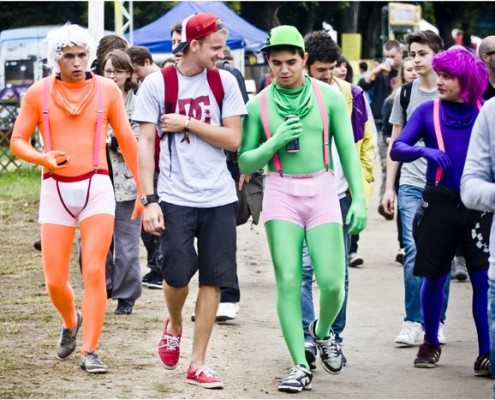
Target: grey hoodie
pixel 478 178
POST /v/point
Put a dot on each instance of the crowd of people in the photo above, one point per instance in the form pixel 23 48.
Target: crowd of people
pixel 168 155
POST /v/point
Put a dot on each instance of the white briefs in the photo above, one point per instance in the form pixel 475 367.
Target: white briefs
pixel 73 195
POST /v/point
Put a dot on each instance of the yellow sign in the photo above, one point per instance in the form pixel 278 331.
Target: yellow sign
pixel 351 46
pixel 404 14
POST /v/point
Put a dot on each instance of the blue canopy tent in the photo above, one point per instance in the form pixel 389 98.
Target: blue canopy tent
pixel 242 35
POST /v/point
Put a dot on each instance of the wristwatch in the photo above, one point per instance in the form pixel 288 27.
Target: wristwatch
pixel 151 198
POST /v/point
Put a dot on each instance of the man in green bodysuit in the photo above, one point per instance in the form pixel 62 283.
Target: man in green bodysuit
pixel 300 200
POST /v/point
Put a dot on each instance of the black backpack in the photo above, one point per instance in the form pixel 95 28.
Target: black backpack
pixel 405 98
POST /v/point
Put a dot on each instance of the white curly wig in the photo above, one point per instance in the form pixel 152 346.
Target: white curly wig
pixel 67 36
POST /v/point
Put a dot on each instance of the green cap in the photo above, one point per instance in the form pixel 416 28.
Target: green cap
pixel 284 35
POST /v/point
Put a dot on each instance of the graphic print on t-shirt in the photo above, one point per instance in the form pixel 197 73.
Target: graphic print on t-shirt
pixel 196 108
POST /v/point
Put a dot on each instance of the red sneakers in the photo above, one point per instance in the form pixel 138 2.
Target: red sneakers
pixel 204 377
pixel 169 348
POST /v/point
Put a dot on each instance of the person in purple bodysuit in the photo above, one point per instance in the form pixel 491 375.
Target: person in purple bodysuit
pixel 442 222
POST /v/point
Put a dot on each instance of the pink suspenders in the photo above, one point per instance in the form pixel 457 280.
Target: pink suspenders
pixel 438 133
pixel 96 151
pixel 324 117
pixel 46 122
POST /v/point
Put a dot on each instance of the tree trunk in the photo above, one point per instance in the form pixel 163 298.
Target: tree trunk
pixel 446 22
pixel 350 18
pixel 310 17
pixel 261 14
pixel 370 25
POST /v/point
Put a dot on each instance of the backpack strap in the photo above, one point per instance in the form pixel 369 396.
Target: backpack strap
pixel 99 119
pixel 171 87
pixel 405 98
pixel 215 82
pixel 324 117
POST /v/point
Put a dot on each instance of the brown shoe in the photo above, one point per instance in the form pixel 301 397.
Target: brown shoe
pixel 428 355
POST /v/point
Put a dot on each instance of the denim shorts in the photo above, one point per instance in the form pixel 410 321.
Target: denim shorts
pixel 443 222
pixel 213 255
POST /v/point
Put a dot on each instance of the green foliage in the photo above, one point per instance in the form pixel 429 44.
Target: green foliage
pixel 235 6
pixel 148 11
pixel 19 14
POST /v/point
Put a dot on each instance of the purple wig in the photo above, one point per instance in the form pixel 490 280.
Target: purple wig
pixel 467 68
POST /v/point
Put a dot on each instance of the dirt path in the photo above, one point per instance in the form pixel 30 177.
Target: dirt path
pixel 249 353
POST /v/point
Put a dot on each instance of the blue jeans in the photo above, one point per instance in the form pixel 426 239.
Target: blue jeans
pixel 409 200
pixel 308 313
pixel 491 322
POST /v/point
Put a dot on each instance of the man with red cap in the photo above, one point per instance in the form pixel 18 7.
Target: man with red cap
pixel 196 196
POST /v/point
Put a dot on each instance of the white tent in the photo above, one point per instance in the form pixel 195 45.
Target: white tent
pixel 426 26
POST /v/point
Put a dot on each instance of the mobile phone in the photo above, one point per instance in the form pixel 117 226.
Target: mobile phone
pixel 293 146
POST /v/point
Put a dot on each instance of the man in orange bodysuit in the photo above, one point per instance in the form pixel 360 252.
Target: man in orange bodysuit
pixel 72 109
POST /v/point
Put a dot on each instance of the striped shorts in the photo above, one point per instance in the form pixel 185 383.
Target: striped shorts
pixel 214 255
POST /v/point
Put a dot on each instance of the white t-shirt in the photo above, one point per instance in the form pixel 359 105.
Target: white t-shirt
pixel 192 174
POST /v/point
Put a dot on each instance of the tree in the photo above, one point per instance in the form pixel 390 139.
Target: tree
pixel 14 14
pixel 461 15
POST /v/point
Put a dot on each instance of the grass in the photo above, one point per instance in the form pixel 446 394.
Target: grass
pixel 21 184
pixel 30 324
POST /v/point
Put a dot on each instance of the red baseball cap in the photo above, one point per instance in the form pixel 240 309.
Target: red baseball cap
pixel 197 26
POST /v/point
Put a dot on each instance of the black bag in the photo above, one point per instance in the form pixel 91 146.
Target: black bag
pixel 250 200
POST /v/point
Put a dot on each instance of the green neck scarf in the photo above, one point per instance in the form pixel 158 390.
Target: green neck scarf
pixel 293 101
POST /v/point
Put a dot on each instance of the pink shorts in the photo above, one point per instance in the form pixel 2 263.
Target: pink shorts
pixel 306 200
pixel 101 200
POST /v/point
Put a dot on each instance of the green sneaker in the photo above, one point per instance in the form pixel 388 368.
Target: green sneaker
pixel 67 341
pixel 92 364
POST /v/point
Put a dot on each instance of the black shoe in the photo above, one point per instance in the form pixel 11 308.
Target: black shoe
pixel 310 352
pixel 344 360
pixel 428 355
pixel 331 357
pixel 153 280
pixel 123 308
pixel 67 342
pixel 148 277
pixel 299 379
pixel 482 365
pixel 37 245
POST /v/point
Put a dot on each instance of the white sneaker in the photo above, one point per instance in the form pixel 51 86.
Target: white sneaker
pixel 459 270
pixel 354 260
pixel 227 311
pixel 441 336
pixel 411 334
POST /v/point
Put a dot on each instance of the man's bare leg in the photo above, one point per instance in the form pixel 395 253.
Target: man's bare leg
pixel 175 299
pixel 205 312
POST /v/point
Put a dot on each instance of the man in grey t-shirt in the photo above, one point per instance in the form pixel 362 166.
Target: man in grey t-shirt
pixel 196 194
pixel 422 47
